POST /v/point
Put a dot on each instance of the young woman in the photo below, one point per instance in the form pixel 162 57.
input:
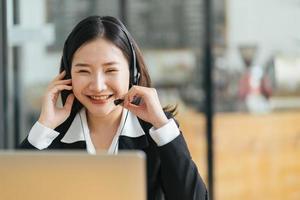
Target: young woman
pixel 108 104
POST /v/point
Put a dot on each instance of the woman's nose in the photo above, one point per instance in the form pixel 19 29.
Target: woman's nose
pixel 98 83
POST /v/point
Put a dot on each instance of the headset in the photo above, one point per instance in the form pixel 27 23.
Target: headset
pixel 134 68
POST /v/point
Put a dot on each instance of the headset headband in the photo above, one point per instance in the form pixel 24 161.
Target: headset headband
pixel 135 74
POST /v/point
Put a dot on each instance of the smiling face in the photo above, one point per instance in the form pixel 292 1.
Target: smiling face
pixel 100 74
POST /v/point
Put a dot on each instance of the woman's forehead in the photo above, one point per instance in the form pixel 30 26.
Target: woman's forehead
pixel 98 50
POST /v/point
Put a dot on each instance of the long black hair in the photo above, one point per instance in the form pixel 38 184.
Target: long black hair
pixel 111 29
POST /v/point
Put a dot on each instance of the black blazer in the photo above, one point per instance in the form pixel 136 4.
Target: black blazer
pixel 171 173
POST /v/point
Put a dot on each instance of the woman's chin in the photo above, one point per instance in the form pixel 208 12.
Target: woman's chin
pixel 101 111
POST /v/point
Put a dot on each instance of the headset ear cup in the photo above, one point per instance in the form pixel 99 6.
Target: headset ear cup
pixel 135 69
pixel 137 78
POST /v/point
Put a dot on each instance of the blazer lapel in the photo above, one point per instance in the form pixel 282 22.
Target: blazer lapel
pixel 141 142
pixel 126 142
pixel 134 136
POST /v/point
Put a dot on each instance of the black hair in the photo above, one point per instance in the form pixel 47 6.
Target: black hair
pixel 114 31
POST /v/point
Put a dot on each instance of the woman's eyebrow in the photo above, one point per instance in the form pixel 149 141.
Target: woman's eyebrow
pixel 106 64
pixel 110 63
pixel 81 65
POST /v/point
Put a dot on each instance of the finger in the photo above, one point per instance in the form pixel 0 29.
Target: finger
pixel 69 102
pixel 135 109
pixel 55 97
pixel 134 93
pixel 60 76
pixel 60 82
pixel 134 101
pixel 59 88
pixel 126 100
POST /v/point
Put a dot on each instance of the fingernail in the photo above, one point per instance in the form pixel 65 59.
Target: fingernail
pixel 136 100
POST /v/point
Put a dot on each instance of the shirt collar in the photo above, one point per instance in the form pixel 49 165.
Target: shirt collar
pixel 79 130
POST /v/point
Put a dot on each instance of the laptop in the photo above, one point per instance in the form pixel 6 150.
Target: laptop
pixel 72 175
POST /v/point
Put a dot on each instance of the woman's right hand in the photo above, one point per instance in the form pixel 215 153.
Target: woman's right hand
pixel 52 116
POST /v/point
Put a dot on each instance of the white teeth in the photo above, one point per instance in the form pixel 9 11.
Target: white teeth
pixel 100 97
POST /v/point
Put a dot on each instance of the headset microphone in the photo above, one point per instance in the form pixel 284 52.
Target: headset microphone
pixel 136 101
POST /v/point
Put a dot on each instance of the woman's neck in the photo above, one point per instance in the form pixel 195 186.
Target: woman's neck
pixel 100 124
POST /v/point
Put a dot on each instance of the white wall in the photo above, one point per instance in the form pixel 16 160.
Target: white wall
pixel 273 25
pixel 36 65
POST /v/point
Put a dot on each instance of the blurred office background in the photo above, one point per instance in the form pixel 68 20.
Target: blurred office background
pixel 255 71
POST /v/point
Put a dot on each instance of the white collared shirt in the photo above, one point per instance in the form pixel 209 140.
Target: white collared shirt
pixel 41 137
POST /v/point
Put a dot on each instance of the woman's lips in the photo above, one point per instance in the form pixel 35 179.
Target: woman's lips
pixel 100 99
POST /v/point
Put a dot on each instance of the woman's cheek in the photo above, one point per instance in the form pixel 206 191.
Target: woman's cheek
pixel 120 84
pixel 78 85
pixel 124 82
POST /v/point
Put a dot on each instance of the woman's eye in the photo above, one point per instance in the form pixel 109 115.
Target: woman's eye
pixel 83 71
pixel 111 70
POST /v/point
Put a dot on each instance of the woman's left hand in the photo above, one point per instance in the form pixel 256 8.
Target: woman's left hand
pixel 149 109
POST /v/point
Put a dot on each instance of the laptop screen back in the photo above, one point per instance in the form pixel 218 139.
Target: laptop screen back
pixel 28 175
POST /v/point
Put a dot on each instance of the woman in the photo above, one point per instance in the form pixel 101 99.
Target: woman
pixel 108 104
